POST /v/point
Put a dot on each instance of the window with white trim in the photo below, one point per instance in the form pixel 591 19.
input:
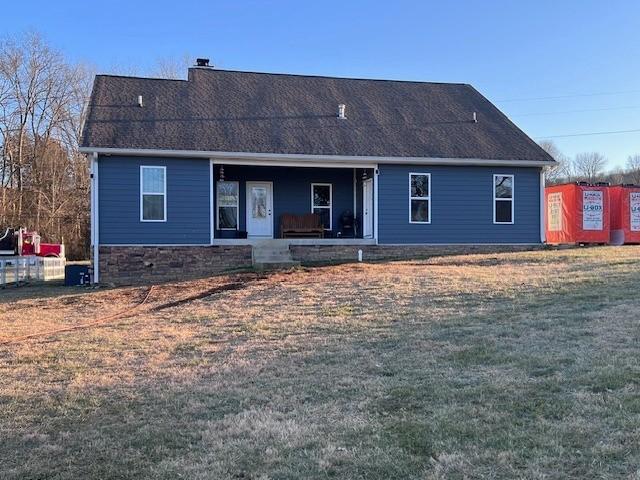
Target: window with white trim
pixel 419 198
pixel 321 201
pixel 153 194
pixel 503 186
pixel 227 204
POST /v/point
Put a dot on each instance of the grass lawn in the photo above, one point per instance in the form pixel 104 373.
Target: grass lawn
pixel 519 365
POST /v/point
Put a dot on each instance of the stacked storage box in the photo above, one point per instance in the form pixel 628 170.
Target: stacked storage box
pixel 577 213
pixel 625 214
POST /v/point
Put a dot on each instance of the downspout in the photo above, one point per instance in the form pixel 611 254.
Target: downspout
pixel 211 212
pixel 543 223
pixel 375 204
pixel 95 232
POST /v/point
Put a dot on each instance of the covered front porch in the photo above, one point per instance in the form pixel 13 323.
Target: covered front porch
pixel 252 204
pixel 260 242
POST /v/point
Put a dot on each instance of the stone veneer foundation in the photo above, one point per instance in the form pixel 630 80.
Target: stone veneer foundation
pixel 347 253
pixel 128 265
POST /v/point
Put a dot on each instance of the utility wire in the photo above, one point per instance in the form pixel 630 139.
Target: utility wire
pixel 575 95
pixel 575 111
pixel 589 134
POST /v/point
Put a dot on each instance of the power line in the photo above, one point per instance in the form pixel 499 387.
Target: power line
pixel 575 111
pixel 573 95
pixel 588 134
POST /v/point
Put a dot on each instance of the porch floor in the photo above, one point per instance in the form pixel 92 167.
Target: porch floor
pixel 280 242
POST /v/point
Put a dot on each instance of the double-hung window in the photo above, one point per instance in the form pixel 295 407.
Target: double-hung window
pixel 503 186
pixel 321 203
pixel 419 198
pixel 227 205
pixel 153 194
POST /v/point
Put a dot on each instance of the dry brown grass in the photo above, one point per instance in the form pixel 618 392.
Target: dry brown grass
pixel 485 366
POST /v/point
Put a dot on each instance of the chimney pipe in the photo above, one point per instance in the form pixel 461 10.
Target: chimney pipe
pixel 341 111
pixel 140 104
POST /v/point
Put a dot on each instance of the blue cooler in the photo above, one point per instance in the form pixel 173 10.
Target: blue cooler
pixel 75 275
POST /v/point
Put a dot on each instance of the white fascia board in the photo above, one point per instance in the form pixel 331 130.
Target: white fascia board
pixel 288 159
pixel 276 162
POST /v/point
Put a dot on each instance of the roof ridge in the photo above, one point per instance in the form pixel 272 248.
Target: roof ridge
pixel 279 74
pixel 139 77
pixel 305 75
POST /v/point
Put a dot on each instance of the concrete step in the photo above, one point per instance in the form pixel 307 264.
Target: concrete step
pixel 271 253
pixel 265 251
pixel 275 265
pixel 272 258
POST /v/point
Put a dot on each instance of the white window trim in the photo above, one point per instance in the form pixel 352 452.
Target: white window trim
pixel 428 198
pixel 143 193
pixel 330 207
pixel 237 206
pixel 512 199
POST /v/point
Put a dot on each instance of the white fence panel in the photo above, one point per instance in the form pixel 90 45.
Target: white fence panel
pixel 19 269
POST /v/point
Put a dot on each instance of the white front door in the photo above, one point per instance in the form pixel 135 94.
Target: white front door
pixel 259 209
pixel 367 208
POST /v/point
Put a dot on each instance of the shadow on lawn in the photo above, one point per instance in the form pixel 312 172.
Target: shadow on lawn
pixel 34 291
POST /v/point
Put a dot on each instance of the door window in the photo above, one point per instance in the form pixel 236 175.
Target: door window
pixel 259 202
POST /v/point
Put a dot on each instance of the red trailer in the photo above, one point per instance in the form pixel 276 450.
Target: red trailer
pixel 21 242
pixel 577 213
pixel 625 214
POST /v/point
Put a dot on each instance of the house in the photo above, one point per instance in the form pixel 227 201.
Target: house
pixel 191 176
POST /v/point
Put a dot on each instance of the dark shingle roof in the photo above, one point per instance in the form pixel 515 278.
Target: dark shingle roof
pixel 229 111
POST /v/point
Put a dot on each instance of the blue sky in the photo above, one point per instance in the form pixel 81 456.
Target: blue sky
pixel 516 53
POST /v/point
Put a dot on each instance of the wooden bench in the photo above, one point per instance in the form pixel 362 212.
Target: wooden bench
pixel 307 225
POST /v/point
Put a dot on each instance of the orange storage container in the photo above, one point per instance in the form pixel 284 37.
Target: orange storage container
pixel 577 213
pixel 625 214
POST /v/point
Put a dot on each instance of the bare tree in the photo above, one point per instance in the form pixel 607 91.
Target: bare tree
pixel 589 166
pixel 616 176
pixel 633 169
pixel 173 67
pixel 563 171
pixel 43 177
pixel 44 180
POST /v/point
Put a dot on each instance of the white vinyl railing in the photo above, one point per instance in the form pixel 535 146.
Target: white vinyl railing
pixel 19 269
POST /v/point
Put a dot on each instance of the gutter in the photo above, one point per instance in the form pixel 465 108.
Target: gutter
pixel 338 160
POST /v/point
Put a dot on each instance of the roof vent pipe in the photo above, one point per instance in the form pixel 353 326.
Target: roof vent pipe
pixel 475 118
pixel 140 104
pixel 341 109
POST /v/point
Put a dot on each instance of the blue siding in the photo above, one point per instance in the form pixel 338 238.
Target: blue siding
pixel 462 201
pixel 292 189
pixel 187 202
pixel 462 206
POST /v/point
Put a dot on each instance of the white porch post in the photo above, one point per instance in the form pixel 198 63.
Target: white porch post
pixel 375 203
pixel 95 215
pixel 355 204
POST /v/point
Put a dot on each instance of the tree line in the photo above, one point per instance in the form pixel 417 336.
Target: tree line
pixel 44 179
pixel 589 167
